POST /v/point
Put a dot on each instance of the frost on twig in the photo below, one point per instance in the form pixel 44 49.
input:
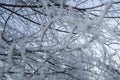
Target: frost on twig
pixel 23 56
pixel 104 12
pixel 56 40
pixel 10 57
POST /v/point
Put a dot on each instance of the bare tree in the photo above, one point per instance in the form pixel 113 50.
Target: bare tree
pixel 59 40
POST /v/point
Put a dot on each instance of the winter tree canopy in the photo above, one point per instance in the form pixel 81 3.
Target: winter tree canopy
pixel 59 40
